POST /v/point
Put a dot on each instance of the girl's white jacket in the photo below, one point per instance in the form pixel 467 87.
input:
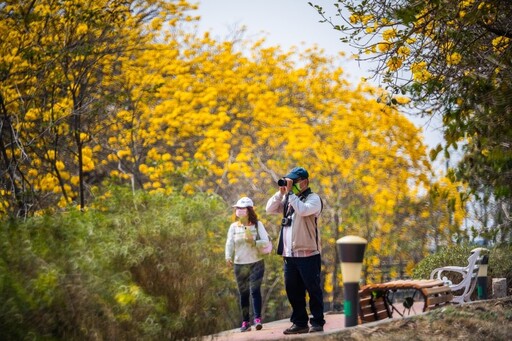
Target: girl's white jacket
pixel 238 250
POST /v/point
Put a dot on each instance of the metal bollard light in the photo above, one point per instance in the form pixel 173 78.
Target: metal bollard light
pixel 351 252
pixel 481 279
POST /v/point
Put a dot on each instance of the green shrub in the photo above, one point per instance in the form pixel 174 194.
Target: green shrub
pixel 500 262
pixel 145 268
pixel 456 255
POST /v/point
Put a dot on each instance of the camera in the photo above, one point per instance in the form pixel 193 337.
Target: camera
pixel 281 182
pixel 286 221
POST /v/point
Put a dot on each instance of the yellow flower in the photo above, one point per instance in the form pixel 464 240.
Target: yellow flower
pixel 402 99
pixel 123 153
pixel 124 298
pixel 370 29
pixel 156 24
pixel 31 115
pixel 75 180
pixel 500 44
pixel 366 19
pixel 62 202
pixel 32 173
pixel 128 295
pixel 454 58
pixel 394 63
pixel 81 29
pixel 354 19
pixel 418 67
pixel 384 47
pixel 60 165
pixel 143 168
pixel 403 51
pixel 389 34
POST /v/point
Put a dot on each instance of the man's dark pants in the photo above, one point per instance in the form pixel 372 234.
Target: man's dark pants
pixel 302 274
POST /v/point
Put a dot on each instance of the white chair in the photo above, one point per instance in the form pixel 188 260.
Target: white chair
pixel 469 274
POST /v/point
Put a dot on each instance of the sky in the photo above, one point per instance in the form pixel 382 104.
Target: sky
pixel 290 23
pixel 285 23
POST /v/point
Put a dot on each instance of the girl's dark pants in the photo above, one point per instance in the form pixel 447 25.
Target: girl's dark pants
pixel 249 278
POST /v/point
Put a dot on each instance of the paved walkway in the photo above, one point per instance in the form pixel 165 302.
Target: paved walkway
pixel 274 330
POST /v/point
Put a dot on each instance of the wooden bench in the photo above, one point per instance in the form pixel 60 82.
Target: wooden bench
pixel 373 307
pixel 377 300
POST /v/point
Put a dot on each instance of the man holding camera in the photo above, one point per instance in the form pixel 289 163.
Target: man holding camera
pixel 299 244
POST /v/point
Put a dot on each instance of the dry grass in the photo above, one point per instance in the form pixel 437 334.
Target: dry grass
pixel 486 320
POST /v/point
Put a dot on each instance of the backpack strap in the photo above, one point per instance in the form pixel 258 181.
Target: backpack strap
pixel 257 230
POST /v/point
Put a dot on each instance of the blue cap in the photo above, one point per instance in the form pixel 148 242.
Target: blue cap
pixel 296 173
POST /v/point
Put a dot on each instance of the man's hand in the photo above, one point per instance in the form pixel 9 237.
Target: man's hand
pixel 286 189
pixel 229 263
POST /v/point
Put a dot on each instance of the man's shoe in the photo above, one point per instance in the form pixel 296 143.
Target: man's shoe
pixel 257 323
pixel 295 329
pixel 315 329
pixel 246 326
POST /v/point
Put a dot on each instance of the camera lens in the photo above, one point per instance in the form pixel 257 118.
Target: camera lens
pixel 281 182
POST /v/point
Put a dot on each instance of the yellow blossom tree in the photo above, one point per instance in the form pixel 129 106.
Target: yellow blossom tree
pixel 147 104
pixel 57 61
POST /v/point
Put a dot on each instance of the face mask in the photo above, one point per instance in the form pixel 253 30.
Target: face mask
pixel 241 212
pixel 295 189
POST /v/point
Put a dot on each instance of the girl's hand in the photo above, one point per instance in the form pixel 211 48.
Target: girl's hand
pixel 248 236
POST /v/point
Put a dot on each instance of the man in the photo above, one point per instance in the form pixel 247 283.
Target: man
pixel 299 244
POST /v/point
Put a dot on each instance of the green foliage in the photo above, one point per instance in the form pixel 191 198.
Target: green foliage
pixel 151 268
pixel 456 255
pixel 453 58
pixel 500 261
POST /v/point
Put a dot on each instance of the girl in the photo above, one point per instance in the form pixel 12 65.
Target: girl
pixel 248 262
